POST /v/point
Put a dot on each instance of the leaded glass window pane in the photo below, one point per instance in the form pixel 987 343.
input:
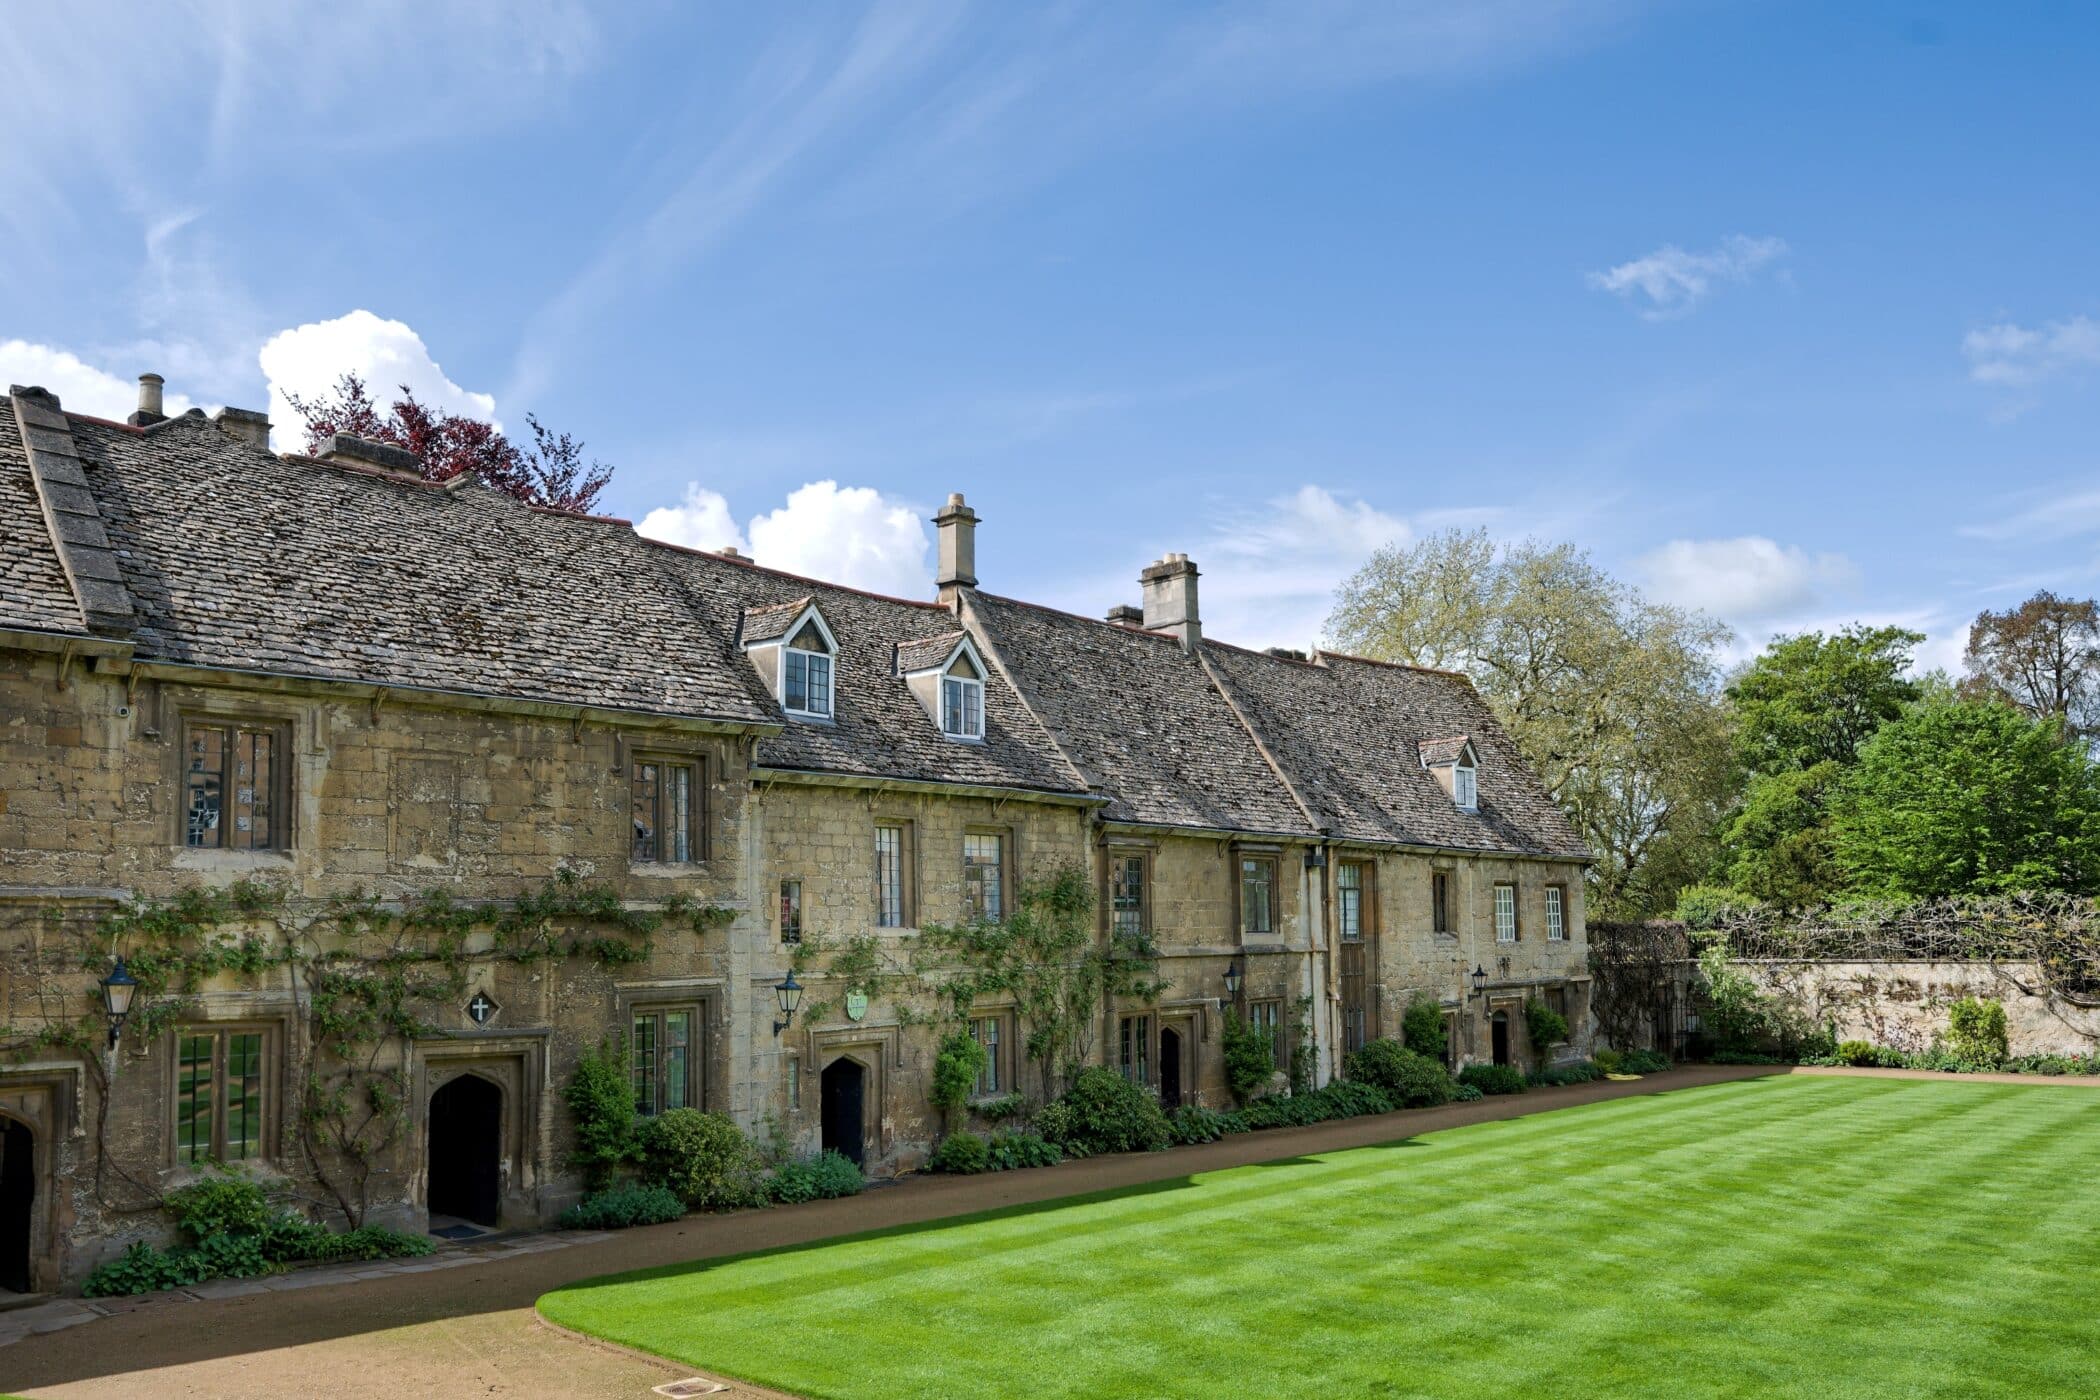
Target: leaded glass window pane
pixel 1350 902
pixel 983 873
pixel 889 876
pixel 1257 912
pixel 1127 895
pixel 1505 913
pixel 677 1052
pixel 193 1097
pixel 648 786
pixel 244 1097
pixel 645 1097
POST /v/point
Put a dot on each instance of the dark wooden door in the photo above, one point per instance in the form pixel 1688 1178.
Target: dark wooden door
pixel 1500 1029
pixel 17 1202
pixel 1170 1067
pixel 844 1110
pixel 466 1150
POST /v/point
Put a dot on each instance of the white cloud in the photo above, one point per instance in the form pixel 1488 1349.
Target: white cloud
pixel 2048 516
pixel 1743 580
pixel 1269 575
pixel 81 388
pixel 2014 357
pixel 308 360
pixel 1674 281
pixel 852 535
pixel 701 521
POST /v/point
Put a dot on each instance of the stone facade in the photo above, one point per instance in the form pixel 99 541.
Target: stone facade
pixel 504 706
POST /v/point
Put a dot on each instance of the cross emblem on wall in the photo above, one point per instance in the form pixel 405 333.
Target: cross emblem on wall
pixel 482 1009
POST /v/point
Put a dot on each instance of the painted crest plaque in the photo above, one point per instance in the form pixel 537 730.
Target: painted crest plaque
pixel 856 1005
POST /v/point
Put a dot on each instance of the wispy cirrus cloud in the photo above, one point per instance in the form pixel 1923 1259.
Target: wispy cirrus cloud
pixel 1672 282
pixel 2016 360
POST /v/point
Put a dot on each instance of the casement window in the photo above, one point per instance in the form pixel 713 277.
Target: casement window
pixel 1267 1016
pixel 794 1080
pixel 805 673
pixel 1134 1042
pixel 668 803
pixel 962 699
pixel 1556 913
pixel 1505 913
pixel 1439 902
pixel 665 1066
pixel 1557 1001
pixel 1349 901
pixel 790 911
pixel 985 1030
pixel 236 786
pixel 1465 785
pixel 220 1094
pixel 1257 896
pixel 1352 1029
pixel 984 877
pixel 1128 897
pixel 893 865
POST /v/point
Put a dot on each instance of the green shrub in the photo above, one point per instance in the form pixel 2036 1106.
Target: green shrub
pixel 1250 1057
pixel 1010 1150
pixel 1976 1030
pixel 1104 1112
pixel 1703 907
pixel 1560 1076
pixel 619 1207
pixel 837 1175
pixel 701 1158
pixel 145 1269
pixel 1422 1028
pixel 600 1095
pixel 1002 1108
pixel 1466 1093
pixel 1543 1024
pixel 1493 1079
pixel 956 1068
pixel 223 1203
pixel 1606 1060
pixel 1643 1062
pixel 963 1154
pixel 231 1256
pixel 1346 1098
pixel 1854 1052
pixel 1193 1123
pixel 369 1242
pixel 818 1178
pixel 1409 1079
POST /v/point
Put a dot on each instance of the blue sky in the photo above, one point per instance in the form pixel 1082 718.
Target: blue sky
pixel 1788 311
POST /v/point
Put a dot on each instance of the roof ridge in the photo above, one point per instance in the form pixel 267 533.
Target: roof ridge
pixel 72 516
pixel 1082 617
pixel 1393 665
pixel 739 561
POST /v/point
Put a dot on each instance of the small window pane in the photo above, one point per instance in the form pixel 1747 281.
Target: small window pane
pixel 985 1031
pixel 1350 913
pixel 193 1097
pixel 889 876
pixel 205 777
pixel 1556 919
pixel 1127 895
pixel 794 683
pixel 244 1070
pixel 1257 914
pixel 791 911
pixel 1465 786
pixel 1136 1048
pixel 648 785
pixel 678 813
pixel 1505 913
pixel 645 1100
pixel 678 1043
pixel 983 875
pixel 1440 903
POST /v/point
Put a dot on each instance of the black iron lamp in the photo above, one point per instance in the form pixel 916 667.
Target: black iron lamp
pixel 1235 974
pixel 1480 979
pixel 790 994
pixel 117 990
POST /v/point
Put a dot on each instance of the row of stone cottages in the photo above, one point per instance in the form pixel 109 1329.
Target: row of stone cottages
pixel 325 678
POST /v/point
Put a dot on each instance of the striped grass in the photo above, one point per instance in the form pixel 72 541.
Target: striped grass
pixel 1790 1236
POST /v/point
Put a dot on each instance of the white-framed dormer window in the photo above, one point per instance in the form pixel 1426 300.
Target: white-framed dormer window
pixel 805 672
pixel 962 699
pixel 1465 785
pixel 1456 768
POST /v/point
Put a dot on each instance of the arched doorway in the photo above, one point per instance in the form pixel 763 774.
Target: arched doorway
pixel 1499 1028
pixel 844 1112
pixel 1170 1067
pixel 466 1151
pixel 17 1202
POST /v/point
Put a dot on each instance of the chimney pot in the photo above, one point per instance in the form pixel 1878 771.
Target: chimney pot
pixel 729 551
pixel 957 524
pixel 149 409
pixel 1124 615
pixel 1170 600
pixel 244 425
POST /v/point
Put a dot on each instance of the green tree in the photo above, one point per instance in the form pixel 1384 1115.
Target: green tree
pixel 1956 797
pixel 1613 699
pixel 1802 709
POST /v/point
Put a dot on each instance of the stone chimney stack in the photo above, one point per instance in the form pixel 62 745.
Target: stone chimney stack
pixel 149 410
pixel 1124 615
pixel 244 425
pixel 349 450
pixel 1170 600
pixel 958 527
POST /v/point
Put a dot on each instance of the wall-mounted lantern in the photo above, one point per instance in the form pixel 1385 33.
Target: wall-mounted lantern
pixel 1235 974
pixel 1480 980
pixel 790 994
pixel 117 990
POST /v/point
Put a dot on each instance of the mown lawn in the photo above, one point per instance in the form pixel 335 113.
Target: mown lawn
pixel 1786 1236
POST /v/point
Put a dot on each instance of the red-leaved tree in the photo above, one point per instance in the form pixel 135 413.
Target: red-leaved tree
pixel 550 471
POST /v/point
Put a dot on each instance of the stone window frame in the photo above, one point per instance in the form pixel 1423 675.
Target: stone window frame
pixel 793 908
pixel 698 837
pixel 1009 853
pixel 1516 922
pixel 1001 1063
pixel 1271 856
pixel 1146 1024
pixel 968 698
pixel 907 830
pixel 1268 1011
pixel 790 647
pixel 1117 852
pixel 1441 904
pixel 272 1030
pixel 282 726
pixel 1367 921
pixel 1556 901
pixel 698 1044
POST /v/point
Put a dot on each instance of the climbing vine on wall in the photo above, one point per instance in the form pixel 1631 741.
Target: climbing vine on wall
pixel 363 973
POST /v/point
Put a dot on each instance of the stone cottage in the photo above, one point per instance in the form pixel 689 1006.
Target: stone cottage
pixel 400 797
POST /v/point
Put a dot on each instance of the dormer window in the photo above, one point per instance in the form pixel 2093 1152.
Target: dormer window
pixel 805 673
pixel 795 653
pixel 962 699
pixel 1456 768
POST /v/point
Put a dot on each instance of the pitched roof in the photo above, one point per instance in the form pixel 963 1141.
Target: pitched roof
pixel 1349 733
pixel 928 652
pixel 34 593
pixel 770 623
pixel 1437 752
